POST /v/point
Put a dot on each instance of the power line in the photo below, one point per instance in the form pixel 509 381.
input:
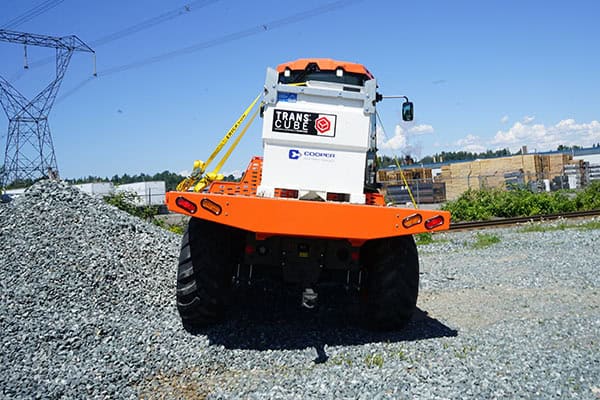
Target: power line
pixel 74 89
pixel 278 23
pixel 151 22
pixel 146 24
pixel 32 13
pixel 285 21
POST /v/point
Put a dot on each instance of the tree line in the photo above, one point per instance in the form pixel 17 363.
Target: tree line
pixel 171 179
pixel 446 156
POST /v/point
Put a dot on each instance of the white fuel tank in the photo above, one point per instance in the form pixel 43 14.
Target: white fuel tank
pixel 316 138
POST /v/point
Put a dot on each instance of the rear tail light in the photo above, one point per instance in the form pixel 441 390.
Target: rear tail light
pixel 434 222
pixel 187 205
pixel 211 206
pixel 412 220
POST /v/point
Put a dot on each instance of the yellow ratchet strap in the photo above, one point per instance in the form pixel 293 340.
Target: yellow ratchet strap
pixel 214 175
pixel 406 183
pixel 200 166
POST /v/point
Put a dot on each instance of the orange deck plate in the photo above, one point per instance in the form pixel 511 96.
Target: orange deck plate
pixel 268 216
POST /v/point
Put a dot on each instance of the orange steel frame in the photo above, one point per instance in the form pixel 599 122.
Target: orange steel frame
pixel 236 204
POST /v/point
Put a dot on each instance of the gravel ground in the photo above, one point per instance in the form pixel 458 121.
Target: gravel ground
pixel 87 311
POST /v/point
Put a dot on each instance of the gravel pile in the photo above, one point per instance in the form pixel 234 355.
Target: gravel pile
pixel 86 295
pixel 87 311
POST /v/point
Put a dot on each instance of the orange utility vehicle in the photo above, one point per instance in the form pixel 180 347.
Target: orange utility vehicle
pixel 309 211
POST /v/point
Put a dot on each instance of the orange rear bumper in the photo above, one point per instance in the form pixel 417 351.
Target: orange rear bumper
pixel 274 216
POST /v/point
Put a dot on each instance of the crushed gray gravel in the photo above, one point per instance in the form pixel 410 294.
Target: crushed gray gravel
pixel 87 310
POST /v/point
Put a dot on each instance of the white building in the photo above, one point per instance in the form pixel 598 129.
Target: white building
pixel 99 189
pixel 149 193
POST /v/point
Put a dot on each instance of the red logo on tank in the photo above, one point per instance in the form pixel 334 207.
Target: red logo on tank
pixel 322 124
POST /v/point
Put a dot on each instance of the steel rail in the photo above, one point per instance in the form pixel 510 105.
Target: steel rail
pixel 520 220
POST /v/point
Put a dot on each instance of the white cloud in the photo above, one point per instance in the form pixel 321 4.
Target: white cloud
pixel 528 119
pixel 405 140
pixel 185 172
pixel 397 142
pixel 421 129
pixel 471 143
pixel 542 138
pixel 504 119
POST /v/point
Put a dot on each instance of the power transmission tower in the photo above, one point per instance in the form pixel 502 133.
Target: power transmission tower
pixel 29 152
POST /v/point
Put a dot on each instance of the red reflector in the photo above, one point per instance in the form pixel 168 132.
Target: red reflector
pixel 211 206
pixel 434 222
pixel 187 205
pixel 341 197
pixel 249 249
pixel 355 255
pixel 286 193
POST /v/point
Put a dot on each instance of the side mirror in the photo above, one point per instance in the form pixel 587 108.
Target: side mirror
pixel 408 111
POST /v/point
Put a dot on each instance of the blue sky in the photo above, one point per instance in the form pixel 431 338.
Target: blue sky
pixel 482 75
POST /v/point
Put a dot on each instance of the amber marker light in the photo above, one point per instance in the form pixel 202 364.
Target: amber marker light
pixel 187 205
pixel 434 222
pixel 412 220
pixel 211 206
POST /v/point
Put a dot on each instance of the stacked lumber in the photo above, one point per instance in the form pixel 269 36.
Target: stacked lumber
pixel 553 165
pixel 395 176
pixel 492 172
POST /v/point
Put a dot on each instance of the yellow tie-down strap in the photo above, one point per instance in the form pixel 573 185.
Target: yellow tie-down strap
pixel 197 179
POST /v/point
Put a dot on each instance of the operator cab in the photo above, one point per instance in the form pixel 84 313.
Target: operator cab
pixel 302 71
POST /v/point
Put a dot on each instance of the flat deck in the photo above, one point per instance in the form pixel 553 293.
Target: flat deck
pixel 291 217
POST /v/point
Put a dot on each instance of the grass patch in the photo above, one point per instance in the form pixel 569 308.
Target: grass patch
pixel 483 240
pixel 464 351
pixel 427 238
pixel 342 359
pixel 128 202
pixel 544 228
pixel 374 360
pixel 590 225
pixel 401 355
pixel 423 238
pixel 178 229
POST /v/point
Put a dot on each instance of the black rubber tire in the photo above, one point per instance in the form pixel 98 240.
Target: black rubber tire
pixel 209 254
pixel 392 281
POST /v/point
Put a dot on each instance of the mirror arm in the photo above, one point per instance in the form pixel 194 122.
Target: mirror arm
pixel 381 97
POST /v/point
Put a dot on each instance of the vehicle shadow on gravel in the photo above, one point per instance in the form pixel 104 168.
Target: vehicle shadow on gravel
pixel 261 320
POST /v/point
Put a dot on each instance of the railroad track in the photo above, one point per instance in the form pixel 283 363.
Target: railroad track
pixel 520 220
